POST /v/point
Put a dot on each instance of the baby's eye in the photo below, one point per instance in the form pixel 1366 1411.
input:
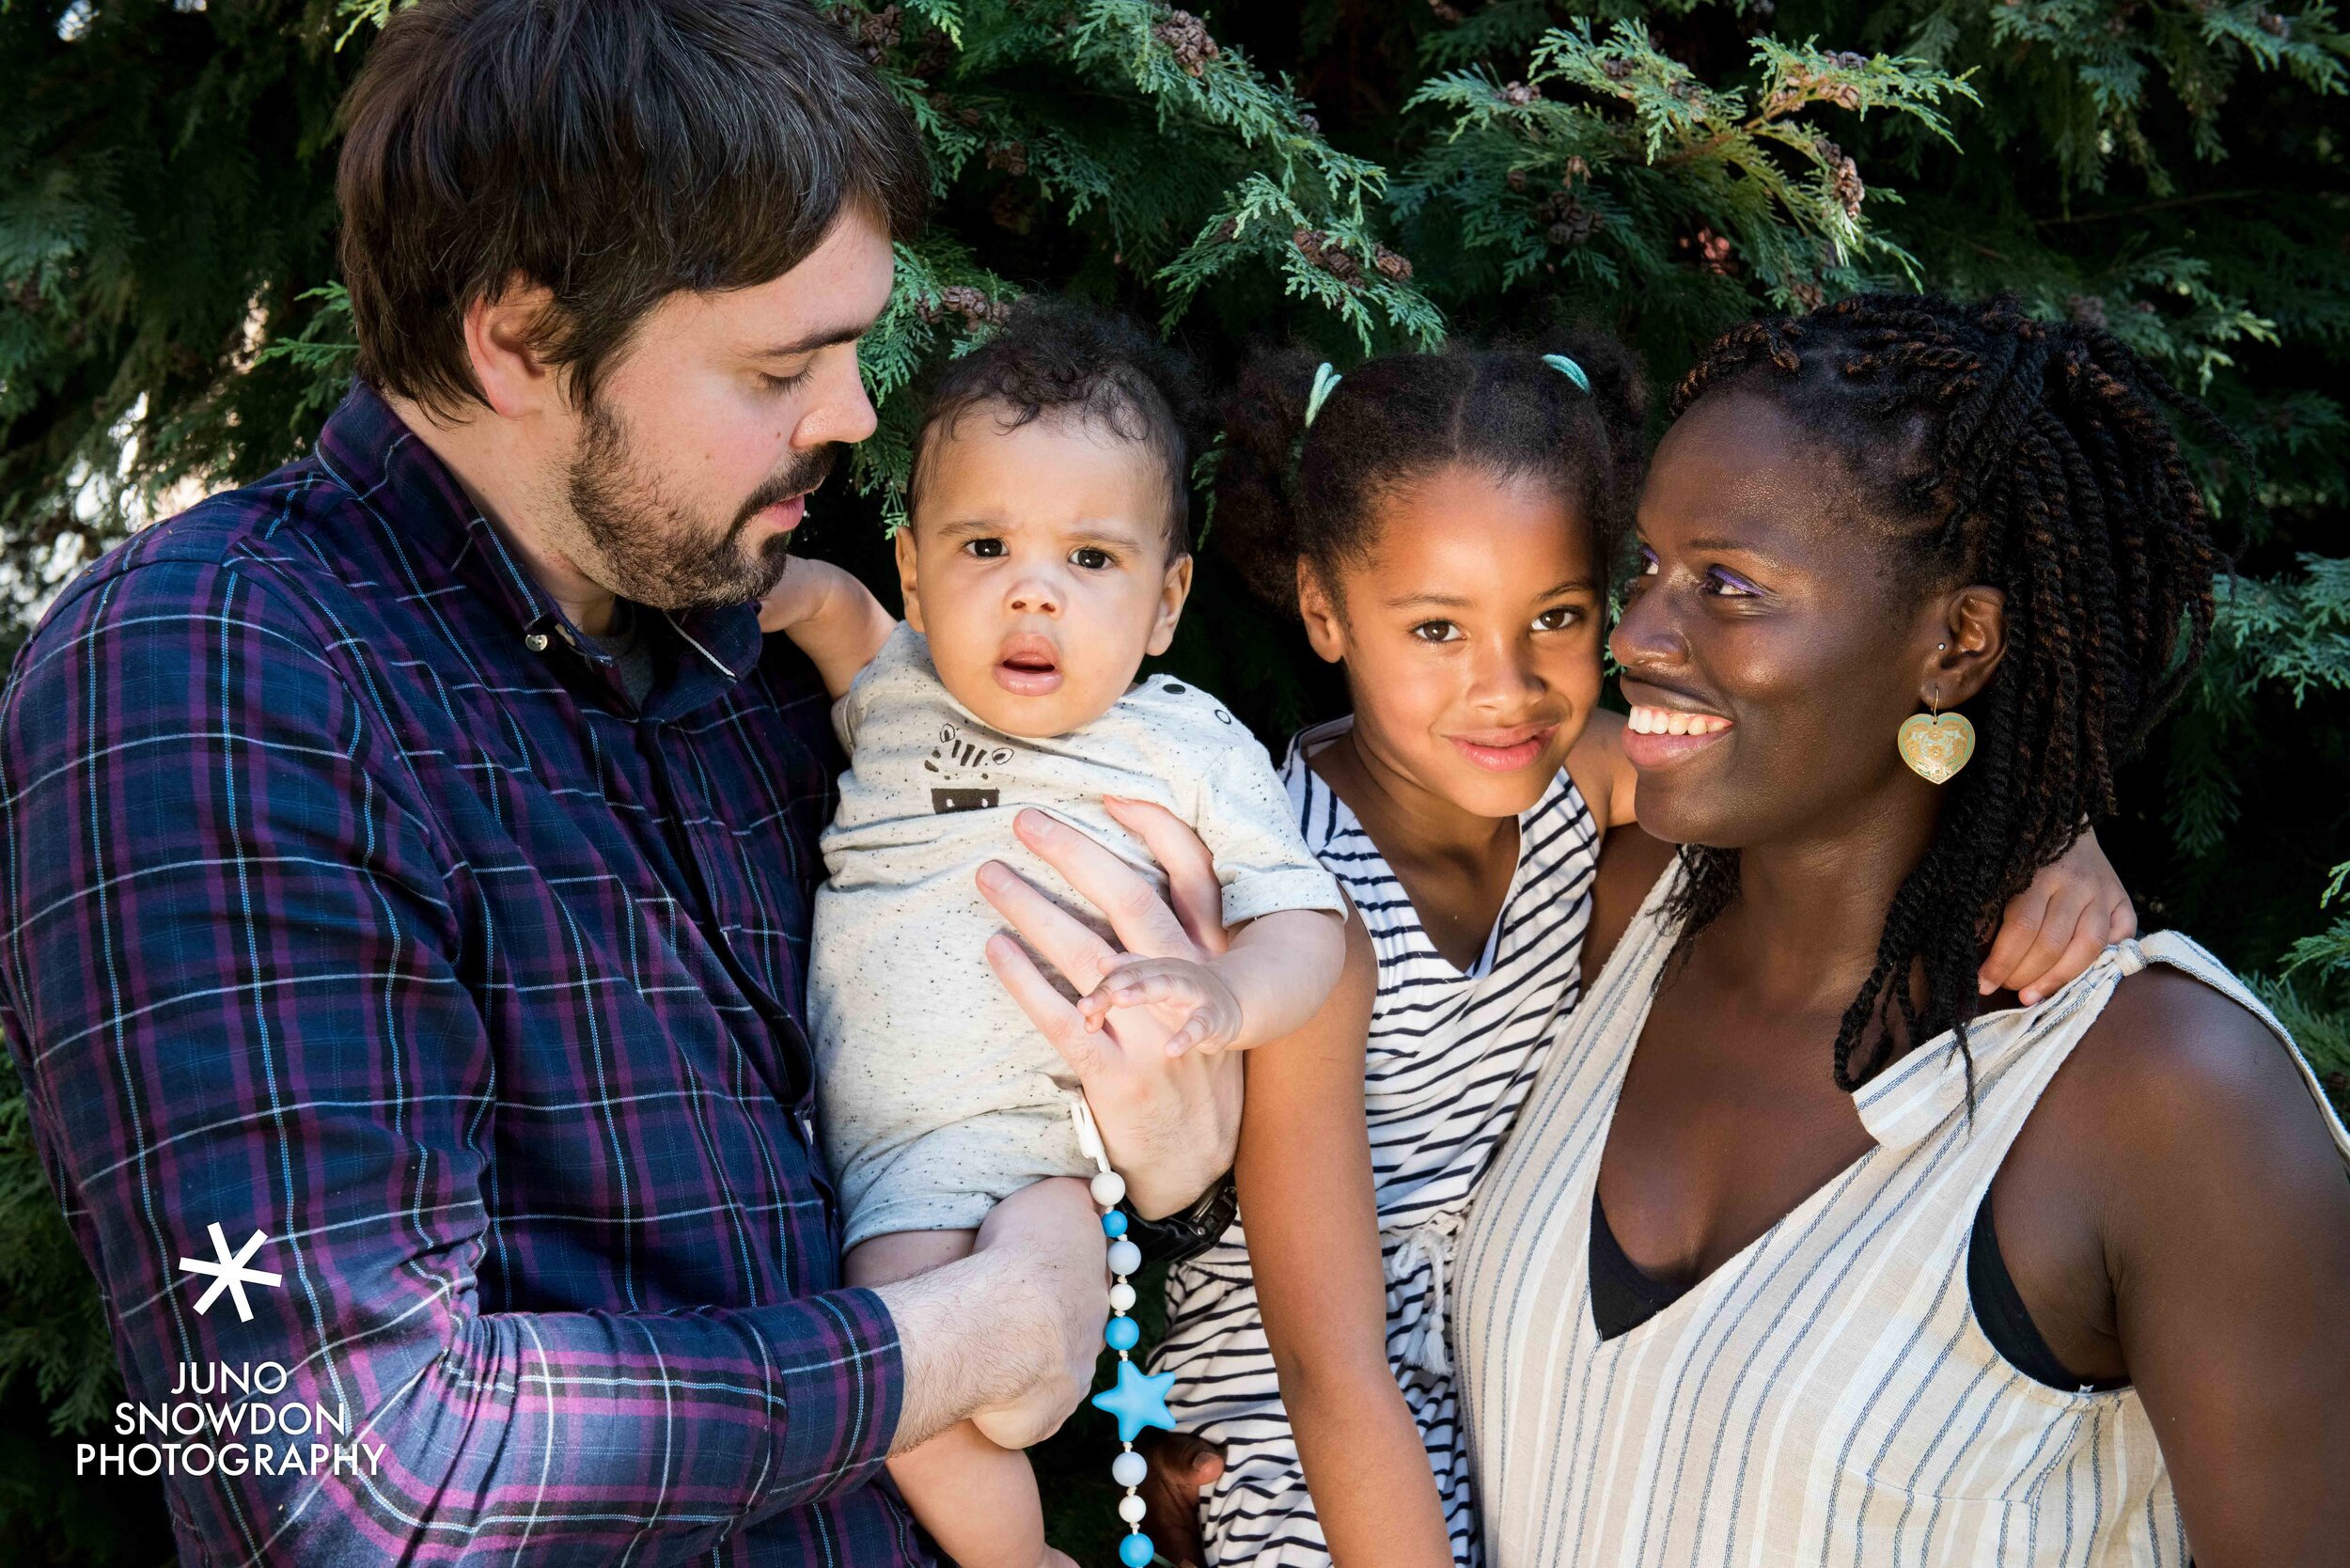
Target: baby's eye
pixel 986 549
pixel 1090 557
pixel 1557 617
pixel 1437 631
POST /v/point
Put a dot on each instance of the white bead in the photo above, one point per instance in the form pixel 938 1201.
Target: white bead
pixel 1125 1257
pixel 1130 1509
pixel 1122 1297
pixel 1130 1469
pixel 1108 1187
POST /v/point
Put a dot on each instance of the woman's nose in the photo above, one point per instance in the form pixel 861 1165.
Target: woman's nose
pixel 1648 632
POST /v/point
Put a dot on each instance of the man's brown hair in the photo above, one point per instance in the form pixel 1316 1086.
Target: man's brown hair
pixel 615 151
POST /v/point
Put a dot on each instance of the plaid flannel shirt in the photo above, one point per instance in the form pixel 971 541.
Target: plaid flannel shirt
pixel 348 900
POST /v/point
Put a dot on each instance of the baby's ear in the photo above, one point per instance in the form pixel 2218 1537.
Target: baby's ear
pixel 1173 590
pixel 906 585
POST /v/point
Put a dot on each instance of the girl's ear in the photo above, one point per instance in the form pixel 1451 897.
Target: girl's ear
pixel 905 577
pixel 1325 628
pixel 1173 590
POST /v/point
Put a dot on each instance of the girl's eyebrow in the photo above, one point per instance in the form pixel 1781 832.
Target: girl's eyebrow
pixel 1454 602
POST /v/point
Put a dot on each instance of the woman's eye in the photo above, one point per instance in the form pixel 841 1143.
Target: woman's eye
pixel 1648 562
pixel 986 549
pixel 1437 631
pixel 1726 585
pixel 1090 558
pixel 1557 617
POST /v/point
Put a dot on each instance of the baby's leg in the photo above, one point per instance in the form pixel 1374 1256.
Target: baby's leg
pixel 979 1502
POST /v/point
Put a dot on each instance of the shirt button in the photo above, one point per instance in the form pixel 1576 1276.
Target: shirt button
pixel 536 642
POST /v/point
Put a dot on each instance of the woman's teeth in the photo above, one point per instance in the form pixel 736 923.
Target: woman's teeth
pixel 1671 721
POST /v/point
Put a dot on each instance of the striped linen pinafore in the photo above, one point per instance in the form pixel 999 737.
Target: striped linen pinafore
pixel 1827 1396
pixel 1451 1056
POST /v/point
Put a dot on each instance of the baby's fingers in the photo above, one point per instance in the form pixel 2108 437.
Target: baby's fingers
pixel 1140 986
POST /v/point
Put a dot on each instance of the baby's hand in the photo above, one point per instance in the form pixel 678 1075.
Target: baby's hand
pixel 1190 996
pixel 799 594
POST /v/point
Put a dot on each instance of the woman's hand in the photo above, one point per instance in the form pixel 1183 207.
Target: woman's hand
pixel 1182 1467
pixel 1170 1125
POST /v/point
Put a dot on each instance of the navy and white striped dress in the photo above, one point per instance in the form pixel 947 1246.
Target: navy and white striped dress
pixel 1450 1057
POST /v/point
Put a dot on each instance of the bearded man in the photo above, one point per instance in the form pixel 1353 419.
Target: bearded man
pixel 408 860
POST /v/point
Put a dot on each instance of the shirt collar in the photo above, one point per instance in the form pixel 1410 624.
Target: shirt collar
pixel 370 450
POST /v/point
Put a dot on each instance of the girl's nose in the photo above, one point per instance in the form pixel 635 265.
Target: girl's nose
pixel 1504 676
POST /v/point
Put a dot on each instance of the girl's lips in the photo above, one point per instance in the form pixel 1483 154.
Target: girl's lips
pixel 1507 750
pixel 1658 737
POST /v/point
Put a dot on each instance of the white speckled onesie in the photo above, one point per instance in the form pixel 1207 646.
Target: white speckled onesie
pixel 938 1096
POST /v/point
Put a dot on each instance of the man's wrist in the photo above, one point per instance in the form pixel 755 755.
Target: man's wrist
pixel 976 1334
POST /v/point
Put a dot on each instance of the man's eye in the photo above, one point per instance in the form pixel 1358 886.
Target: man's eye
pixel 1437 631
pixel 784 384
pixel 986 549
pixel 1557 617
pixel 1090 558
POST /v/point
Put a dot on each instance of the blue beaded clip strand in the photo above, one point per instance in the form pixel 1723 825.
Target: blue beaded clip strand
pixel 1139 1399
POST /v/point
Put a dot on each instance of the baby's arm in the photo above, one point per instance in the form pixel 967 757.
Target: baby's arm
pixel 834 619
pixel 1275 977
pixel 2048 933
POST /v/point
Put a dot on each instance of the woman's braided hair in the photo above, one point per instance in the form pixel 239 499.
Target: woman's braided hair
pixel 2029 456
pixel 1286 491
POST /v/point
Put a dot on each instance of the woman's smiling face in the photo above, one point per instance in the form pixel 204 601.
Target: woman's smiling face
pixel 1470 637
pixel 1770 647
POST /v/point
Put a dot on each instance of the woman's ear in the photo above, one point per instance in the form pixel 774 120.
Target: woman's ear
pixel 1325 630
pixel 1970 638
pixel 1173 590
pixel 906 576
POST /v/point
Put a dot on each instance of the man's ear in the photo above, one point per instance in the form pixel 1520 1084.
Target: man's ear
pixel 1326 629
pixel 1173 590
pixel 905 577
pixel 1970 639
pixel 500 342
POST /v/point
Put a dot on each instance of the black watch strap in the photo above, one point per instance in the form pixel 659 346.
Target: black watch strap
pixel 1187 1233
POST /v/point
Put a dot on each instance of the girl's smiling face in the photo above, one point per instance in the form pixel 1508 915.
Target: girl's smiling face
pixel 1470 636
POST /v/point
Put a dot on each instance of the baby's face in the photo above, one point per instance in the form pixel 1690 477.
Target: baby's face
pixel 1037 565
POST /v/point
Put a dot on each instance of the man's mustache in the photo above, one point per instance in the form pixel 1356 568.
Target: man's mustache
pixel 809 470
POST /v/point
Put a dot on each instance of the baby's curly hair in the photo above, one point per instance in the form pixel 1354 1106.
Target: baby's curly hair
pixel 1062 358
pixel 1287 492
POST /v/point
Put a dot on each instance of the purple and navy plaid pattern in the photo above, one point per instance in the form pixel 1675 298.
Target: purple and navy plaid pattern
pixel 347 898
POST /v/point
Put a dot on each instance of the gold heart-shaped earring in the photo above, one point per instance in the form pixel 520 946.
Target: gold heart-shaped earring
pixel 1936 746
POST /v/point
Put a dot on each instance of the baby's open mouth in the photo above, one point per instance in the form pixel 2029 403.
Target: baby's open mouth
pixel 1029 667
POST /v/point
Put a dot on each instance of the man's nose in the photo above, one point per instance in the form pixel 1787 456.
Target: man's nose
pixel 840 411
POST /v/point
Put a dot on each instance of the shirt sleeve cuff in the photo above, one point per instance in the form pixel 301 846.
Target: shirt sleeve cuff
pixel 839 1386
pixel 1263 893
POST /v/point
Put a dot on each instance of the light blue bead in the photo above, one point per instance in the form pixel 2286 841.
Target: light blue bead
pixel 1122 1334
pixel 1113 1224
pixel 1135 1551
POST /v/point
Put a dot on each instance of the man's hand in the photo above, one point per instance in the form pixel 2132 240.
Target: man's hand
pixel 1008 1336
pixel 1170 1124
pixel 1188 998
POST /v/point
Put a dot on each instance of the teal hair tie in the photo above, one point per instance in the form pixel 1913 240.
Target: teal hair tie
pixel 1566 368
pixel 1326 383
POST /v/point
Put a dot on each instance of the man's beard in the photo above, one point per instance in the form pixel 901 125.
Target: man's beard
pixel 653 552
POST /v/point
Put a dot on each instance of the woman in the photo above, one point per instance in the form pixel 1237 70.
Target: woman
pixel 1795 1256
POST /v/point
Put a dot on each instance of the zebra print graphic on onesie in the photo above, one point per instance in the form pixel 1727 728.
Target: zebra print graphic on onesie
pixel 1451 1056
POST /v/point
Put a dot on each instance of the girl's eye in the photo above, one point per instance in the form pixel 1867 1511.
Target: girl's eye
pixel 1557 617
pixel 1728 585
pixel 1090 558
pixel 1437 631
pixel 986 549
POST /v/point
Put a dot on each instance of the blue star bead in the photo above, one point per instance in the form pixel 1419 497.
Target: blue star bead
pixel 1138 1400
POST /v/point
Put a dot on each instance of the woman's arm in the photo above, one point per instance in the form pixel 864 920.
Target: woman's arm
pixel 2175 1211
pixel 1313 1247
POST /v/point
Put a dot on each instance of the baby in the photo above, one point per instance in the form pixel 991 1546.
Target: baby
pixel 1046 556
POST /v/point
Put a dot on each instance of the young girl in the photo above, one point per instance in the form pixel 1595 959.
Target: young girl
pixel 1441 525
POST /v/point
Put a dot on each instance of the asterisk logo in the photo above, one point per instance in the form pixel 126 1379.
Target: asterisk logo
pixel 230 1274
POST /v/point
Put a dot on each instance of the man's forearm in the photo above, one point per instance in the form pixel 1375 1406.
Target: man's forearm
pixel 971 1335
